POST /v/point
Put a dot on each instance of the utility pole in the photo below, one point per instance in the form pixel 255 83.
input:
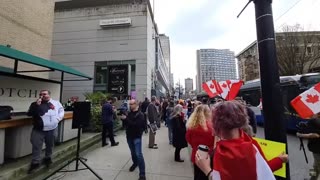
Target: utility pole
pixel 274 124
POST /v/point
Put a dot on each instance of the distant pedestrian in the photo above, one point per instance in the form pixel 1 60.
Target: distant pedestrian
pixel 153 117
pixel 159 110
pixel 190 108
pixel 144 106
pixel 134 123
pixel 164 105
pixel 107 119
pixel 46 114
pixel 251 115
pixel 178 132
pixel 205 101
pixel 169 120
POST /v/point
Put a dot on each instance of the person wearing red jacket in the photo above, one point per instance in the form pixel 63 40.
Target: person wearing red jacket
pixel 235 156
pixel 200 132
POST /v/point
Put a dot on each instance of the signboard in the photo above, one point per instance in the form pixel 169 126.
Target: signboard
pixel 115 22
pixel 272 149
pixel 118 79
pixel 20 93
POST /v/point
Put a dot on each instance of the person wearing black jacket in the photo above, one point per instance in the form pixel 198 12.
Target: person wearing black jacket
pixel 135 123
pixel 178 132
pixel 107 122
pixel 144 106
pixel 251 114
pixel 46 114
pixel 252 120
pixel 153 117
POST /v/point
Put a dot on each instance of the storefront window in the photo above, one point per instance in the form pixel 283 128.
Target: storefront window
pixel 101 75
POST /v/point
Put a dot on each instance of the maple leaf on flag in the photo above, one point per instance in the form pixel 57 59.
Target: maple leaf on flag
pixel 212 86
pixel 224 85
pixel 312 98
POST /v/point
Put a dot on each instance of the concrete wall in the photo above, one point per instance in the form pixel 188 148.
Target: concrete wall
pixel 151 55
pixel 27 26
pixel 79 41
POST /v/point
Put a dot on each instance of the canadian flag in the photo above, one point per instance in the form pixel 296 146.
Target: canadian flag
pixel 230 88
pixel 308 103
pixel 211 88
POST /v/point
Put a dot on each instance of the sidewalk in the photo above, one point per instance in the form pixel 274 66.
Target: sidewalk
pixel 113 163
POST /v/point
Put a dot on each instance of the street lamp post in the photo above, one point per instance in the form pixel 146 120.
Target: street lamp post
pixel 274 124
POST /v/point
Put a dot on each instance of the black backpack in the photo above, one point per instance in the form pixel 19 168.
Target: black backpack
pixel 5 112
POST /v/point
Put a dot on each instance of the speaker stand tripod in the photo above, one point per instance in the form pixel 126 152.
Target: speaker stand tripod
pixel 77 159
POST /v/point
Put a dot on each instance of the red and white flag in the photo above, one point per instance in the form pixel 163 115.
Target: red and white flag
pixel 229 89
pixel 211 88
pixel 240 159
pixel 308 103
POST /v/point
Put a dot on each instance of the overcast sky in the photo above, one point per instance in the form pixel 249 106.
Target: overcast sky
pixel 196 24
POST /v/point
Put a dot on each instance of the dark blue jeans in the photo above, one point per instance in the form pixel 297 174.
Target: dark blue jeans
pixel 135 146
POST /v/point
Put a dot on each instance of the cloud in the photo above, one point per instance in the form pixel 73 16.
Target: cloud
pixel 196 24
pixel 167 11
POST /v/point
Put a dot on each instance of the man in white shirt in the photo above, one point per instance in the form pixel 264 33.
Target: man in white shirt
pixel 46 114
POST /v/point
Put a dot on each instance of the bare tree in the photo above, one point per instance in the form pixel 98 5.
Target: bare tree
pixel 298 51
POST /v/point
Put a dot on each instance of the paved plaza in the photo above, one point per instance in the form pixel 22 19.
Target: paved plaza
pixel 113 163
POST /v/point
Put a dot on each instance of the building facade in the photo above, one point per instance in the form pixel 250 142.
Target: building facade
pixel 114 41
pixel 248 63
pixel 27 26
pixel 165 46
pixel 171 80
pixel 218 64
pixel 188 84
pixel 291 46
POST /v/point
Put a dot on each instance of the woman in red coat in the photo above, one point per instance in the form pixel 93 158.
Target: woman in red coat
pixel 199 131
pixel 235 156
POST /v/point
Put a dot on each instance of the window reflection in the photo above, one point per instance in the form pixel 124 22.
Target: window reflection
pixel 101 75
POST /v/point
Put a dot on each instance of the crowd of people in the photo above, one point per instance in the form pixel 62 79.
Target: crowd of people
pixel 219 134
pixel 225 128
